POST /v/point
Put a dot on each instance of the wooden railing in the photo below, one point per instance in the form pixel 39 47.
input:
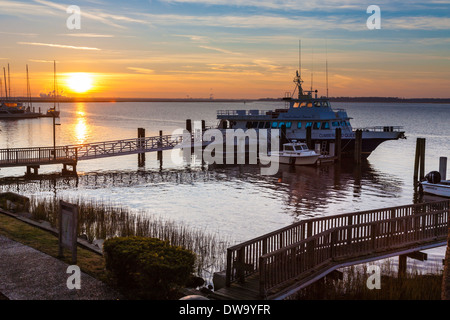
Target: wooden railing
pixel 46 155
pixel 37 155
pixel 291 252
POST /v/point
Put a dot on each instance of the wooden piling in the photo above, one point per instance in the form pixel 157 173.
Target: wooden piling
pixel 308 137
pixel 189 125
pixel 358 146
pixel 283 138
pixel 443 167
pixel 338 137
pixel 419 161
pixel 160 153
pixel 141 155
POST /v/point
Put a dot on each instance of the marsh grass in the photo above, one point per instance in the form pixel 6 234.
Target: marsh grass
pixel 104 220
pixel 414 285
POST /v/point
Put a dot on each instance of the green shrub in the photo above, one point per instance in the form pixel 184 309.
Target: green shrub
pixel 147 268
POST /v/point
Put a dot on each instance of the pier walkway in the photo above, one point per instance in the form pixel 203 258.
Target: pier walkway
pixel 34 157
pixel 278 264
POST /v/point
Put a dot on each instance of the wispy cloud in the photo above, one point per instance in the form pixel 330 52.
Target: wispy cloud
pixel 141 70
pixel 53 45
pixel 218 50
pixel 88 35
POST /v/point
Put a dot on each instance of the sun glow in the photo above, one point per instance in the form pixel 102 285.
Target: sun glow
pixel 80 82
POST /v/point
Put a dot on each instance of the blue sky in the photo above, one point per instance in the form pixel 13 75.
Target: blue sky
pixel 235 48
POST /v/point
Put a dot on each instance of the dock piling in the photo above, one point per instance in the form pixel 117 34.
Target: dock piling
pixel 338 134
pixel 141 155
pixel 358 146
pixel 419 162
pixel 443 167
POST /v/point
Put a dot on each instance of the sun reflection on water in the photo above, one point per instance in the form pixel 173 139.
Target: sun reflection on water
pixel 81 129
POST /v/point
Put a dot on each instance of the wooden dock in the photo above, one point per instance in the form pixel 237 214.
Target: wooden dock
pixel 278 264
pixel 34 157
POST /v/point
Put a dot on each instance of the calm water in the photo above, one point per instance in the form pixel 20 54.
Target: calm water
pixel 234 201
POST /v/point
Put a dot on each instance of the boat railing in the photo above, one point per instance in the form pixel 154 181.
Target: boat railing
pixel 241 113
pixel 382 128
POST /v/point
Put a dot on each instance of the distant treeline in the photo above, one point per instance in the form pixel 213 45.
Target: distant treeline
pixel 333 99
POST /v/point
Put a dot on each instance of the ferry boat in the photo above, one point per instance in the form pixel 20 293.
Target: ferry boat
pixel 308 111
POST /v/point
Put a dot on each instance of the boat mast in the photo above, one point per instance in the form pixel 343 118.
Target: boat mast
pixel 6 87
pixel 9 82
pixel 29 90
pixel 326 64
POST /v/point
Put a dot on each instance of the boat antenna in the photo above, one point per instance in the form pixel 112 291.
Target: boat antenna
pixel 1 88
pixel 312 68
pixel 298 80
pixel 326 64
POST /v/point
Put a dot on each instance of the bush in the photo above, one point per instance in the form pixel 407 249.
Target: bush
pixel 147 268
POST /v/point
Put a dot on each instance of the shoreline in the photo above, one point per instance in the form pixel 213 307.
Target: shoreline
pixel 242 100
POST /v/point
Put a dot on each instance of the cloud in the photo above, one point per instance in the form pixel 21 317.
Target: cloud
pixel 53 45
pixel 88 35
pixel 218 49
pixel 141 70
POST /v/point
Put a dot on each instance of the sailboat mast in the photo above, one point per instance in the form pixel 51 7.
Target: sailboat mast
pixel 54 85
pixel 29 90
pixel 6 87
pixel 9 82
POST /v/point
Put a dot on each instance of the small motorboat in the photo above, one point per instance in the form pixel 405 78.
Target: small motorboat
pixel 434 185
pixel 296 153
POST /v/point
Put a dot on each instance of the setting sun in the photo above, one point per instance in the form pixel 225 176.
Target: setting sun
pixel 80 82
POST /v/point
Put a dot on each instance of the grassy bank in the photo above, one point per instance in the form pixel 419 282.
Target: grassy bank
pixel 102 220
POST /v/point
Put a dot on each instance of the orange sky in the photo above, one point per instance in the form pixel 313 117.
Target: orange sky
pixel 179 49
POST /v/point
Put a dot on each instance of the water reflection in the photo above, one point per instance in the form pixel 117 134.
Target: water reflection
pixel 81 125
pixel 299 192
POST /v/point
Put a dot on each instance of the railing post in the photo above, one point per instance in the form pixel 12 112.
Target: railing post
pixel 349 229
pixel 240 273
pixel 262 277
pixel 229 268
pixel 373 229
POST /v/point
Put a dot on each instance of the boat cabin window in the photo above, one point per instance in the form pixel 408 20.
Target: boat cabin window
pixel 316 125
pixel 303 104
pixel 308 124
pixel 281 124
pixel 316 104
pixel 296 105
pixel 267 126
pixel 255 124
pixel 343 124
pixel 288 125
pixel 274 124
pixel 325 125
pixel 309 104
pixel 299 125
pixel 325 103
pixel 261 125
pixel 335 123
pixel 288 148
